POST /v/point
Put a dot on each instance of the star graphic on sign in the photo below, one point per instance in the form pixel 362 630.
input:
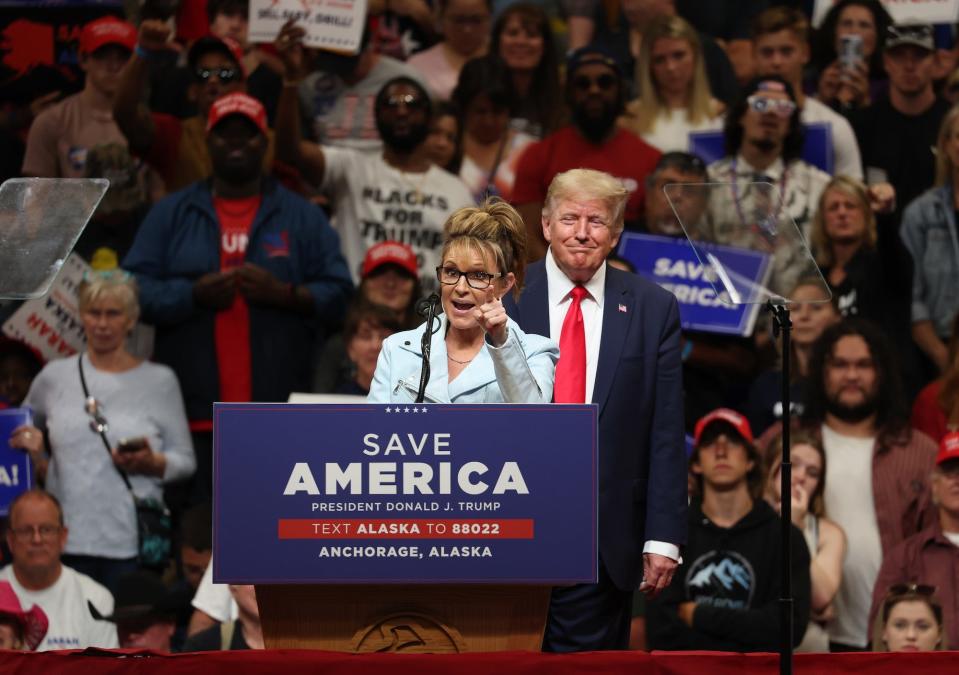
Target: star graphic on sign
pixel 416 410
pixel 389 410
pixel 406 410
pixel 423 409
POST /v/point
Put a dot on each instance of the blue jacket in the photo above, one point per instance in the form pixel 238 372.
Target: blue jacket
pixel 521 371
pixel 639 391
pixel 178 243
pixel 929 232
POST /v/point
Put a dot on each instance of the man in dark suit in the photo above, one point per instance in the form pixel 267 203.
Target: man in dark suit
pixel 620 348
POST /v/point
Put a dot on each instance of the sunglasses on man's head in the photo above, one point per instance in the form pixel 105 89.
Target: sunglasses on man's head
pixel 604 82
pixel 778 106
pixel 224 75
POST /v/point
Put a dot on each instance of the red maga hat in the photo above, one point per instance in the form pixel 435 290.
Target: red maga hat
pixel 730 417
pixel 108 30
pixel 948 448
pixel 237 103
pixel 390 252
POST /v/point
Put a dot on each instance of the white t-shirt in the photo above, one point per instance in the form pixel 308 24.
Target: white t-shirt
pixel 849 503
pixel 845 148
pixel 375 202
pixel 672 129
pixel 215 599
pixel 65 604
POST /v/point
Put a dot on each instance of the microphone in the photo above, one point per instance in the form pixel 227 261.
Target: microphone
pixel 426 308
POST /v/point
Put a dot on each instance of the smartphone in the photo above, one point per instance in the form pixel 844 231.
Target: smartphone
pixel 850 51
pixel 132 444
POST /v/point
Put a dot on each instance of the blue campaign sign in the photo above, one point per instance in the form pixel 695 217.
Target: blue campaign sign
pixel 817 148
pixel 672 263
pixel 16 475
pixel 382 493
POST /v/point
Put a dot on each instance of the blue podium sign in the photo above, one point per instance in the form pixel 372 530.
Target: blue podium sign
pixel 672 264
pixel 382 493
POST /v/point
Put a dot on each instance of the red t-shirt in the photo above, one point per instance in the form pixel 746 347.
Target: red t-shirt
pixel 232 329
pixel 625 156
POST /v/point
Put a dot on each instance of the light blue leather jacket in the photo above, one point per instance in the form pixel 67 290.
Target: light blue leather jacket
pixel 521 371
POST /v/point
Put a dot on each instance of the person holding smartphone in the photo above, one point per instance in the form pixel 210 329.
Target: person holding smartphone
pixel 136 405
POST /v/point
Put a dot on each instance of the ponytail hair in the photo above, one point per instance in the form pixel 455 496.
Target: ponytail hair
pixel 496 230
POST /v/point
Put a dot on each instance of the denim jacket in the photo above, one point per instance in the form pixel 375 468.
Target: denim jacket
pixel 929 233
pixel 521 371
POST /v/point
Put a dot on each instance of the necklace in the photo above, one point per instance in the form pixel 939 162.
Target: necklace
pixel 416 187
pixel 462 363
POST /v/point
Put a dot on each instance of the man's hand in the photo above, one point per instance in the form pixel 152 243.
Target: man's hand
pixel 215 290
pixel 289 46
pixel 491 317
pixel 882 198
pixel 143 461
pixel 259 287
pixel 154 35
pixel 657 573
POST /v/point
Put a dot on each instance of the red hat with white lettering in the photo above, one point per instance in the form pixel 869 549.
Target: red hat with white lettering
pixel 390 252
pixel 107 30
pixel 237 103
pixel 948 448
pixel 730 417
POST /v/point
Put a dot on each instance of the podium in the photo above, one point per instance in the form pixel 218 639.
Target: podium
pixel 420 528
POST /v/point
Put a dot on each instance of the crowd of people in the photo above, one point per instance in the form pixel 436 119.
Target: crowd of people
pixel 276 212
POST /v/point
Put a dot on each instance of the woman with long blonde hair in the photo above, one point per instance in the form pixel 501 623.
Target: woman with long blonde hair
pixel 674 96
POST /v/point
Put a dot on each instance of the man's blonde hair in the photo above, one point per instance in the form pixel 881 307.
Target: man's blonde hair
pixel 589 184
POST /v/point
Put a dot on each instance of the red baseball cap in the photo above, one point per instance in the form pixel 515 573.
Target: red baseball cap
pixel 731 417
pixel 237 103
pixel 948 448
pixel 107 30
pixel 390 252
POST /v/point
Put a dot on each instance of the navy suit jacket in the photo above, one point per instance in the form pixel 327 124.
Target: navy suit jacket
pixel 639 391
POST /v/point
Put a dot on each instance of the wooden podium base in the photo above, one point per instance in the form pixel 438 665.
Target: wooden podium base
pixel 414 619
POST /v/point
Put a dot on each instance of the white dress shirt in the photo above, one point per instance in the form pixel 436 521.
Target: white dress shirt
pixel 559 288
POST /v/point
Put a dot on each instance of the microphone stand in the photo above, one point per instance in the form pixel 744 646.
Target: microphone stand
pixel 426 308
pixel 782 325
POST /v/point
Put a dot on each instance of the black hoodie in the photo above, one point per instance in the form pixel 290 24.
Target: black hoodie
pixel 733 574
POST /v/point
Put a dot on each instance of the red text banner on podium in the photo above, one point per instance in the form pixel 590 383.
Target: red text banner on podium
pixel 365 493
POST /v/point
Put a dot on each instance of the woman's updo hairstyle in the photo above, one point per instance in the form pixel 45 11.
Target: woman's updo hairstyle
pixel 493 228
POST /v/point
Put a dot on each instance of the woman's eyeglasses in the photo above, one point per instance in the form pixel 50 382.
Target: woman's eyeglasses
pixel 98 423
pixel 450 276
pixel 224 75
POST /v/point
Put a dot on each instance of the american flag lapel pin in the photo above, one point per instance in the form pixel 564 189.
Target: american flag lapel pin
pixel 622 308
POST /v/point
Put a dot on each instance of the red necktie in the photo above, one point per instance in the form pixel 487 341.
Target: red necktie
pixel 570 385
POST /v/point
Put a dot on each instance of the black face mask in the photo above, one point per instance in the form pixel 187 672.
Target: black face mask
pixel 402 142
